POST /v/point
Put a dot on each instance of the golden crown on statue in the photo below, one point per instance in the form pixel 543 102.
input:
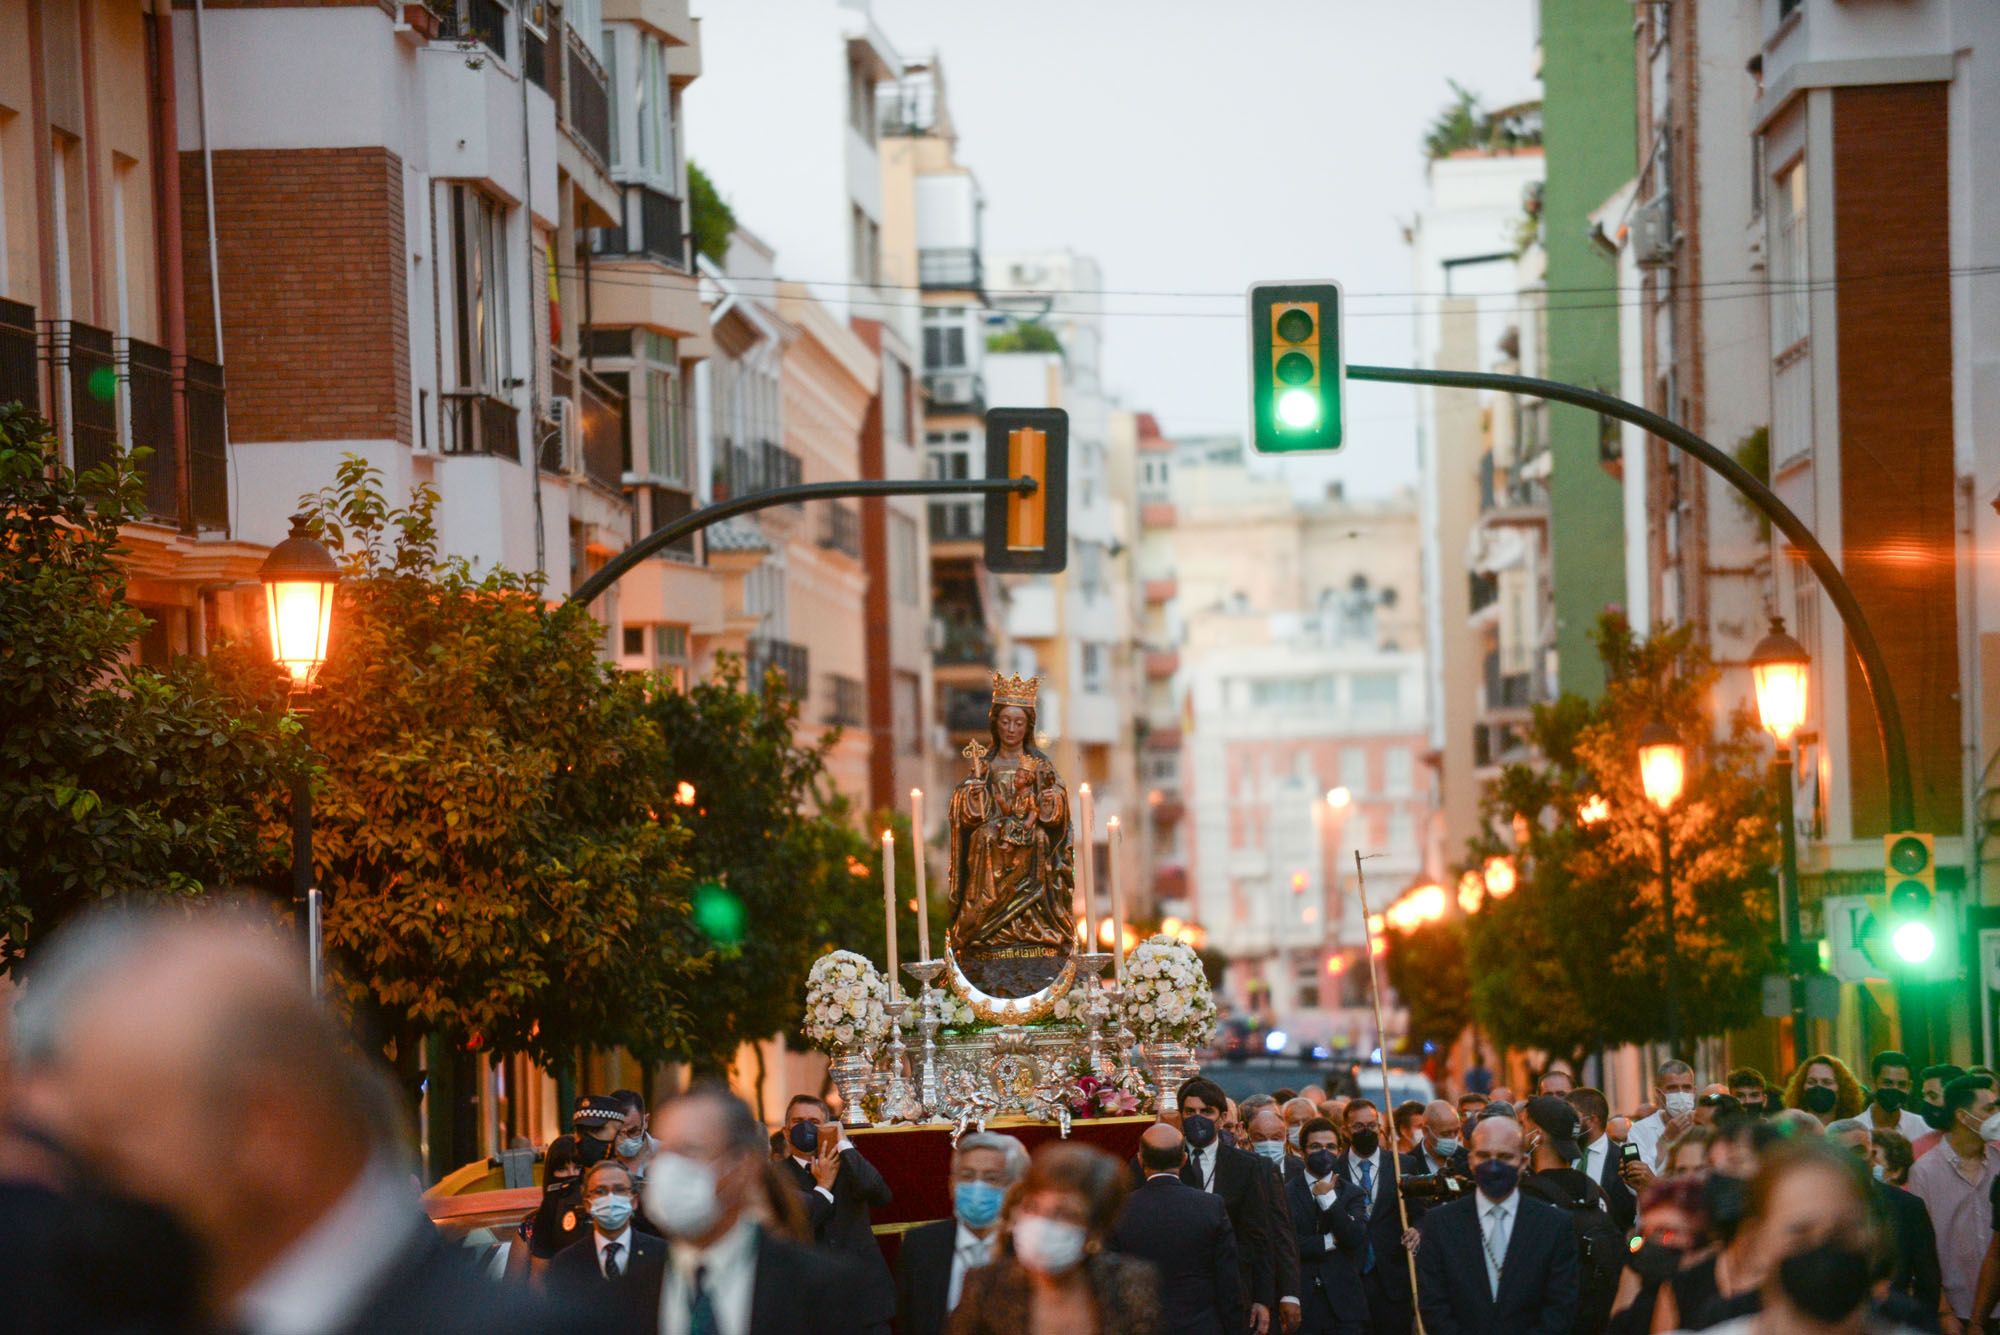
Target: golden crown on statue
pixel 1015 690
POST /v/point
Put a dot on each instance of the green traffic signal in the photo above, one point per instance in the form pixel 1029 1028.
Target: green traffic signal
pixel 1914 942
pixel 1296 367
pixel 1298 408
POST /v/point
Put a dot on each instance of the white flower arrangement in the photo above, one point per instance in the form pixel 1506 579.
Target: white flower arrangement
pixel 845 995
pixel 1167 998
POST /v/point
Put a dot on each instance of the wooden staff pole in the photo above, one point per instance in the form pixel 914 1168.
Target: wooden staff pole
pixel 1388 1107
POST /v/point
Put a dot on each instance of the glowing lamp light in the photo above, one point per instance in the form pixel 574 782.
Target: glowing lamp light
pixel 1428 902
pixel 1913 942
pixel 1107 931
pixel 1594 810
pixel 1471 892
pixel 684 793
pixel 1298 882
pixel 1339 798
pixel 298 578
pixel 1298 408
pixel 1170 926
pixel 1379 947
pixel 1375 924
pixel 1336 965
pixel 1277 1041
pixel 1778 667
pixel 1662 764
pixel 1499 877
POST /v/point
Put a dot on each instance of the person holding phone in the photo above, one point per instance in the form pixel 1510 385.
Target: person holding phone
pixel 840 1189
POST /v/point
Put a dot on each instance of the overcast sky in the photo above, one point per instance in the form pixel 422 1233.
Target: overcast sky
pixel 1191 148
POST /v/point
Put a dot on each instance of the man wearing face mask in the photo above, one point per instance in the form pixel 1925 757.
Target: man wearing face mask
pixel 1894 1089
pixel 1328 1217
pixel 1439 1149
pixel 632 1145
pixel 620 1261
pixel 838 1187
pixel 724 1274
pixel 1954 1181
pixel 1746 1086
pixel 1232 1174
pixel 1186 1236
pixel 1385 1273
pixel 1267 1141
pixel 1673 1087
pixel 1552 1176
pixel 1599 1158
pixel 1915 1277
pixel 596 1119
pixel 934 1259
pixel 1497 1263
pixel 1298 1112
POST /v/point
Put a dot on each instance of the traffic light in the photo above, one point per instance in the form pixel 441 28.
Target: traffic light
pixel 1910 904
pixel 1028 534
pixel 1297 368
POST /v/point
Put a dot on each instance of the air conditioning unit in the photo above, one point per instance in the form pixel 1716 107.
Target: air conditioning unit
pixel 956 387
pixel 564 454
pixel 1652 233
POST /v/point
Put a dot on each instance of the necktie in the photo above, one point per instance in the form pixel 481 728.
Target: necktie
pixel 701 1309
pixel 1496 1246
pixel 611 1260
pixel 1368 1190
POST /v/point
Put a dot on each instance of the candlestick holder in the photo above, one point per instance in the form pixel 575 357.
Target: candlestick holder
pixel 930 1018
pixel 1090 965
pixel 897 1104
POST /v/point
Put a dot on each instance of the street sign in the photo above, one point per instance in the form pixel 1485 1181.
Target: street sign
pixel 1298 369
pixel 1028 534
pixel 1848 924
pixel 1822 996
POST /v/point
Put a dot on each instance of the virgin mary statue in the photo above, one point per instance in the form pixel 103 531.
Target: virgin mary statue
pixel 1011 879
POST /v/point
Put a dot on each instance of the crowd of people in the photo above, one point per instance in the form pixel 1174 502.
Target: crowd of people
pixel 189 1143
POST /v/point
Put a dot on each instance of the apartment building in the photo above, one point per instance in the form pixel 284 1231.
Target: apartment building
pixel 96 286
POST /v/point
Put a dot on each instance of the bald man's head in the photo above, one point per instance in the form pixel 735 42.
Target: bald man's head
pixel 1496 1157
pixel 1161 1149
pixel 201 1031
pixel 1267 1124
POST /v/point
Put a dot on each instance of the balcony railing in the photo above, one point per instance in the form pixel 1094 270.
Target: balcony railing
pixel 208 452
pixel 849 706
pixel 955 391
pixel 840 530
pixel 149 389
pixel 20 380
pixel 603 430
pixel 960 642
pixel 483 21
pixel 783 656
pixel 950 270
pixel 478 424
pixel 85 355
pixel 667 505
pixel 657 235
pixel 589 92
pixel 965 710
pixel 758 466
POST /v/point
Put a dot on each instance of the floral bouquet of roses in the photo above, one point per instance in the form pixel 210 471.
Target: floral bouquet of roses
pixel 1092 1097
pixel 1167 998
pixel 845 995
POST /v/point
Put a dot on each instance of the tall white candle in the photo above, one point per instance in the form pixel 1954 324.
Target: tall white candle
pixel 1116 836
pixel 889 904
pixel 1086 862
pixel 917 850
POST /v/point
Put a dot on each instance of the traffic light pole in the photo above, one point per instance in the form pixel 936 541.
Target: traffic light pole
pixel 1874 671
pixel 670 533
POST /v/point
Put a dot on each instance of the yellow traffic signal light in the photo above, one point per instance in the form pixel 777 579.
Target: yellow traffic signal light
pixel 1028 532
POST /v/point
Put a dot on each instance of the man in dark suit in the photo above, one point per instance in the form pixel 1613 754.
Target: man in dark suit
pixel 931 1264
pixel 1185 1233
pixel 838 1187
pixel 1600 1160
pixel 1917 1276
pixel 1497 1263
pixel 1329 1219
pixel 619 1269
pixel 1385 1269
pixel 1234 1175
pixel 724 1275
pixel 1266 1131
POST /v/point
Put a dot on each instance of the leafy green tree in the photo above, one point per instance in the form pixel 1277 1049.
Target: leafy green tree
pixel 710 217
pixel 502 864
pixel 1025 336
pixel 116 779
pixel 1427 969
pixel 1575 958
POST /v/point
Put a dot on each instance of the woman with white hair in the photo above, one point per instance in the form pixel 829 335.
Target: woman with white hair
pixel 931 1267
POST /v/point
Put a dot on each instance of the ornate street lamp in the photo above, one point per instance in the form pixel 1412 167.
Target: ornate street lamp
pixel 1779 668
pixel 1663 773
pixel 298 578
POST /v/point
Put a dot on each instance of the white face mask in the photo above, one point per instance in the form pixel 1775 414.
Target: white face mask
pixel 1680 1103
pixel 1048 1245
pixel 679 1195
pixel 1274 1150
pixel 1989 1130
pixel 1292 1134
pixel 1881 1173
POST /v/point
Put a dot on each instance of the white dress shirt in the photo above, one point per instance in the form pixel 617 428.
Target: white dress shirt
pixel 969 1251
pixel 1374 1184
pixel 730 1268
pixel 807 1164
pixel 1204 1164
pixel 1496 1231
pixel 1324 1202
pixel 624 1241
pixel 1647 1133
pixel 319 1281
pixel 1593 1158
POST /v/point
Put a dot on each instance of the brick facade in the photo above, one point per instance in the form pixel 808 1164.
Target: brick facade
pixel 315 305
pixel 1891 215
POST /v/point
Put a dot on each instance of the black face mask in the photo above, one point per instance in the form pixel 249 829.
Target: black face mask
pixel 589 1149
pixel 1199 1130
pixel 1826 1282
pixel 1754 1109
pixel 1891 1100
pixel 1819 1099
pixel 1321 1162
pixel 1726 1198
pixel 1934 1115
pixel 1367 1141
pixel 1655 1261
pixel 804 1137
